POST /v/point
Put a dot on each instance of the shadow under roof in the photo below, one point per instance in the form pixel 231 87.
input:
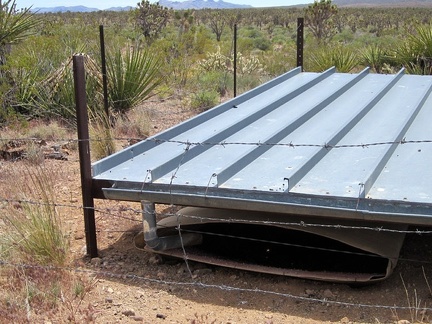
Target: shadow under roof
pixel 355 146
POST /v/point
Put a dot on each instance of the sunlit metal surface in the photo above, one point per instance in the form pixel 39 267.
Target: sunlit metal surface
pixel 354 146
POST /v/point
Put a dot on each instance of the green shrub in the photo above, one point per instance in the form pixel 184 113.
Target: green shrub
pixel 218 81
pixel 204 100
pixel 262 43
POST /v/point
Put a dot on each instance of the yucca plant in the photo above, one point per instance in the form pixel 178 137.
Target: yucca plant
pixel 341 57
pixel 132 78
pixel 375 57
pixel 14 26
pixel 415 54
pixel 56 95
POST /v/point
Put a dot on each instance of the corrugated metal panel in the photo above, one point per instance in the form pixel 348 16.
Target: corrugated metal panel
pixel 329 144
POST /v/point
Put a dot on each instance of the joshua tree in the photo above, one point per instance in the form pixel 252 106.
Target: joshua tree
pixel 216 19
pixel 319 19
pixel 152 18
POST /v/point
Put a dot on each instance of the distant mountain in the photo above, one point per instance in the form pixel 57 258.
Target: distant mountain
pixel 119 8
pixel 64 9
pixel 200 4
pixel 212 4
pixel 383 3
pixel 177 5
pixel 77 9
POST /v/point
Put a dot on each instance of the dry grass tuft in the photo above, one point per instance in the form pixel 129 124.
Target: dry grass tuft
pixel 35 250
pixel 101 136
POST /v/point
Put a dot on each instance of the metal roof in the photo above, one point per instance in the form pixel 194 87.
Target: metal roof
pixel 355 146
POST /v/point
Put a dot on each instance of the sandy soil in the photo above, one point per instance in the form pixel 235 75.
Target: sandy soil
pixel 129 285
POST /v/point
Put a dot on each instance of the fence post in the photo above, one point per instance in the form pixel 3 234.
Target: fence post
pixel 300 41
pixel 84 155
pixel 235 60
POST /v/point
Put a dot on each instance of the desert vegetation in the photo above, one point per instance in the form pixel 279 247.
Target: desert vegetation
pixel 153 54
pixel 189 54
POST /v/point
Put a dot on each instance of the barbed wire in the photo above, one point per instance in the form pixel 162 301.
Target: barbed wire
pixel 291 144
pixel 116 213
pixel 202 285
pixel 110 211
pixel 224 143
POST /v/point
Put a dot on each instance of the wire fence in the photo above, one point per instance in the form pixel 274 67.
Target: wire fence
pixel 134 216
pixel 187 143
pixel 201 285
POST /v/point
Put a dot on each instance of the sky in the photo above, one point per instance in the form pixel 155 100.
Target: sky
pixel 104 4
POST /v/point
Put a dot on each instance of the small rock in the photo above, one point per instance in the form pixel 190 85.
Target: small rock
pixel 108 300
pixel 138 318
pixel 310 292
pixel 160 316
pixel 84 250
pixel 128 313
pixel 202 272
pixel 155 260
pixel 328 294
pixel 345 320
pixel 110 290
pixel 161 275
pixel 96 262
pixel 79 235
pixel 403 322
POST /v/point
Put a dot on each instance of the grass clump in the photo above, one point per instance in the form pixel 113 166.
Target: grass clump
pixel 33 230
pixel 204 100
pixel 102 141
pixel 47 131
pixel 35 251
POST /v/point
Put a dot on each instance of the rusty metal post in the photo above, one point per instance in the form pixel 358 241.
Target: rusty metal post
pixel 84 155
pixel 235 60
pixel 300 41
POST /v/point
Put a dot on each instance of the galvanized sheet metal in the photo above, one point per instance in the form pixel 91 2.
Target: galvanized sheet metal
pixel 330 144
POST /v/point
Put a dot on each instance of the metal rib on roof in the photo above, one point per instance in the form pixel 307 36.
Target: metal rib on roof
pixel 327 144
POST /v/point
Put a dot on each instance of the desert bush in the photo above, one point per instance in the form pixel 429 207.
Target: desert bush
pixel 219 81
pixel 215 61
pixel 48 131
pixel 246 82
pixel 246 64
pixel 134 125
pixel 34 153
pixel 204 100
